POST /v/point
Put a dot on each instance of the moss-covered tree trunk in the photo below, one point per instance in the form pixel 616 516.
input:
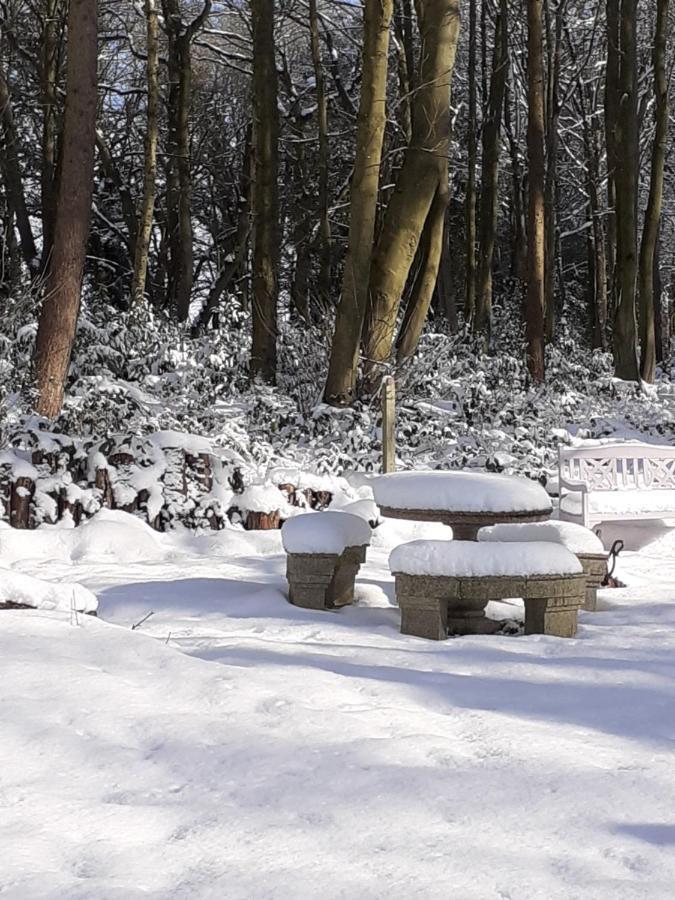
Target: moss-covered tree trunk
pixel 472 139
pixel 421 190
pixel 344 359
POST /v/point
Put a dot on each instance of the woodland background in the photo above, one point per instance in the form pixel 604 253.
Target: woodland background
pixel 209 198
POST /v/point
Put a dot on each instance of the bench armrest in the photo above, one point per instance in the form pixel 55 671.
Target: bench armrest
pixel 578 486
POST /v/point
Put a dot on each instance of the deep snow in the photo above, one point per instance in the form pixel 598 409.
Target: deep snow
pixel 236 747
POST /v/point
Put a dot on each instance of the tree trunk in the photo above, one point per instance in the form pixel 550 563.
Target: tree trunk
pixel 265 194
pixel 612 96
pixel 627 169
pixel 342 373
pixel 142 249
pixel 554 44
pixel 432 252
pixel 536 234
pixel 179 179
pixel 472 140
pixel 50 65
pixel 653 214
pixel 58 318
pixel 12 176
pixel 489 197
pixel 420 188
pixel 323 158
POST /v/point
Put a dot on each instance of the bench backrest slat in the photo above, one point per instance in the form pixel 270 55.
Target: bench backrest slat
pixel 618 467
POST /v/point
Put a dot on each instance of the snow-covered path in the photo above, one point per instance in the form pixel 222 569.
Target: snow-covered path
pixel 236 747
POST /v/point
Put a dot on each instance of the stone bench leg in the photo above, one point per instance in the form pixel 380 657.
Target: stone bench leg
pixel 595 569
pixel 555 616
pixel 423 602
pixel 425 617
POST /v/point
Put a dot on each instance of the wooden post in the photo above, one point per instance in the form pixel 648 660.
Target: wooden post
pixel 388 424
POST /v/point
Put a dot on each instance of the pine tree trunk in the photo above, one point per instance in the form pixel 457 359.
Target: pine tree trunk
pixel 58 318
pixel 536 234
pixel 653 214
pixel 142 249
pixel 342 373
pixel 265 194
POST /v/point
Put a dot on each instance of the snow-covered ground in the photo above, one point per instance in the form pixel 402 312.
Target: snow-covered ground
pixel 236 747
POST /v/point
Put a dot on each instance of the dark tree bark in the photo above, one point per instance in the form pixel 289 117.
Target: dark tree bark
pixel 653 214
pixel 58 318
pixel 489 196
pixel 11 172
pixel 627 169
pixel 265 193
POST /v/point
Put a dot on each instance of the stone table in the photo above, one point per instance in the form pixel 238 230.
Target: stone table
pixel 466 501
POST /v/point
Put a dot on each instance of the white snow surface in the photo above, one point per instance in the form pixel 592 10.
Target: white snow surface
pixel 324 532
pixel 467 558
pixel 462 491
pixel 237 747
pixel 575 537
pixel 17 587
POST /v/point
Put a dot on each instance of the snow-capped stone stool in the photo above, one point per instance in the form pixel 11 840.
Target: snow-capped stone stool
pixel 444 586
pixel 464 500
pixel 585 545
pixel 325 551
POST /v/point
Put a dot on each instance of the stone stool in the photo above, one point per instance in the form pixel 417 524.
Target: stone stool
pixel 324 553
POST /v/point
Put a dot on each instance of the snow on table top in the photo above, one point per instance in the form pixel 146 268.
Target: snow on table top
pixel 324 532
pixel 458 559
pixel 17 587
pixel 575 537
pixel 471 492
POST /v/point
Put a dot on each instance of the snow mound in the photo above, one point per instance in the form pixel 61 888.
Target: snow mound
pixel 459 559
pixel 575 537
pixel 114 535
pixel 461 491
pixel 263 498
pixel 324 532
pixel 365 509
pixel 15 587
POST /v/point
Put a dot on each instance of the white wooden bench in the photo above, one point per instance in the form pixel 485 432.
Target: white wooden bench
pixel 616 481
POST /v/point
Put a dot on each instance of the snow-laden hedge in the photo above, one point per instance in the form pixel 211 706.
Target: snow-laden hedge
pixel 135 375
